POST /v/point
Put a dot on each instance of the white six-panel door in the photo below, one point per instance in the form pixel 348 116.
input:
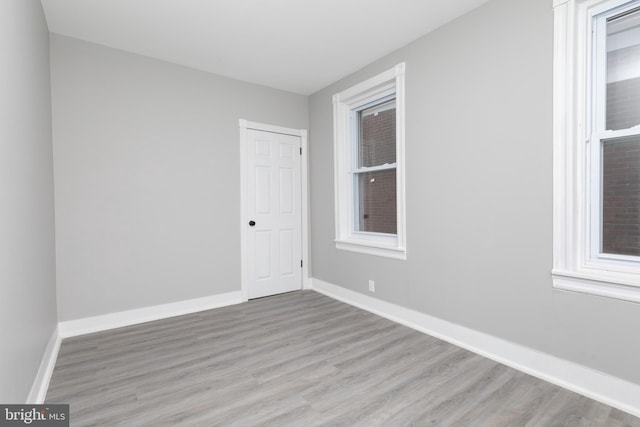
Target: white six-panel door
pixel 273 221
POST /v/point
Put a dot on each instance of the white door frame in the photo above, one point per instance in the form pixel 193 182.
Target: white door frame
pixel 245 125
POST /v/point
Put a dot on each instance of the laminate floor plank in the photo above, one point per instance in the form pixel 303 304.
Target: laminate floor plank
pixel 382 401
pixel 435 400
pixel 300 359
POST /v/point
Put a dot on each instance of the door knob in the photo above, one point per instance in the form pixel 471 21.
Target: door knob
pixel 252 223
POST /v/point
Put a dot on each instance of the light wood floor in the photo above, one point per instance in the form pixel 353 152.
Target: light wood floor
pixel 300 359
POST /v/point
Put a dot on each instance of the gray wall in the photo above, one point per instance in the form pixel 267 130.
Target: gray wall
pixel 479 193
pixel 147 177
pixel 27 261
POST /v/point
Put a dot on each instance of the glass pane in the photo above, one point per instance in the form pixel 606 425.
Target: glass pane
pixel 621 196
pixel 377 142
pixel 623 70
pixel 376 201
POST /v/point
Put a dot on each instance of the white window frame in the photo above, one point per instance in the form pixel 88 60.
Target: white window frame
pixel 578 264
pixel 346 104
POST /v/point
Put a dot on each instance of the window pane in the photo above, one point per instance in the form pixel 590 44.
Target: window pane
pixel 376 201
pixel 377 142
pixel 621 196
pixel 623 70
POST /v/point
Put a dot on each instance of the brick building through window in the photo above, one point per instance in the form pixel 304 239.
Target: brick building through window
pixel 621 156
pixel 377 190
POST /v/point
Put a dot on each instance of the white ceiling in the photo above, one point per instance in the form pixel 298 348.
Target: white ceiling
pixel 296 45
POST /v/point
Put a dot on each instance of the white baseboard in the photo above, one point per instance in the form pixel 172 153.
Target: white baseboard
pixel 41 383
pixel 596 385
pixel 105 322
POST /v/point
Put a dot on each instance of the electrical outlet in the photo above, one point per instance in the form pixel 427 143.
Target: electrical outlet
pixel 372 286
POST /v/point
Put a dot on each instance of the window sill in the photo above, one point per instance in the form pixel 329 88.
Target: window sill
pixel 611 285
pixel 371 248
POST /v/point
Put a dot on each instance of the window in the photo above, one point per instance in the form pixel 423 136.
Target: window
pixel 369 166
pixel 597 147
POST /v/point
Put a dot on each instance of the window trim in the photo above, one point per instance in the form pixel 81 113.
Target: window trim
pixel 345 104
pixel 574 267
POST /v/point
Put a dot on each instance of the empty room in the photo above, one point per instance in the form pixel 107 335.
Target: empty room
pixel 320 213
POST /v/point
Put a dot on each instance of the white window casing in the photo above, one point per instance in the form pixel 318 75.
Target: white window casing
pixel 345 104
pixel 578 129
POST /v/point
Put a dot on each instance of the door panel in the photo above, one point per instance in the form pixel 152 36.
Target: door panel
pixel 274 203
pixel 263 190
pixel 263 246
pixel 286 252
pixel 286 191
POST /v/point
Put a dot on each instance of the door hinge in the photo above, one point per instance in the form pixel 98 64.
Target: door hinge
pixel 300 263
pixel 301 151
